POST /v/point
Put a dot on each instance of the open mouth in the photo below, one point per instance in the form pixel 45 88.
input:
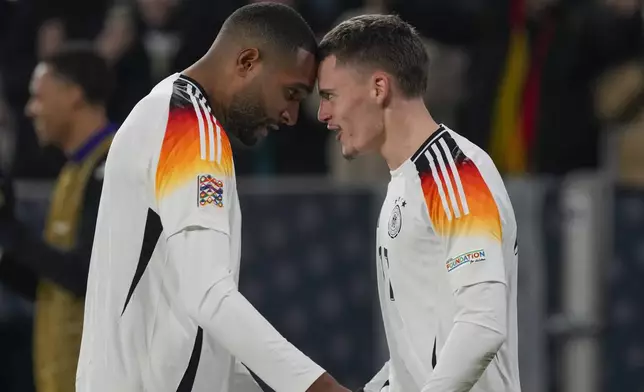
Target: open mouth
pixel 337 130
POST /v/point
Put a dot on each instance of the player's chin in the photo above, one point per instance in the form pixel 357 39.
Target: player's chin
pixel 349 154
pixel 43 138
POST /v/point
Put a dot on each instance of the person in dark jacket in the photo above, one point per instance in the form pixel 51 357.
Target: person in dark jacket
pixel 69 91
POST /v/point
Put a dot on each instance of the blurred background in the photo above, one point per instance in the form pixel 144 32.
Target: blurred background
pixel 552 89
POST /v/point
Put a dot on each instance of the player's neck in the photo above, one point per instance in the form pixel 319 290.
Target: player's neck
pixel 84 125
pixel 407 125
pixel 203 72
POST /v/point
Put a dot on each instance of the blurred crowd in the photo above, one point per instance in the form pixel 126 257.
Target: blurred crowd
pixel 547 87
pixel 532 81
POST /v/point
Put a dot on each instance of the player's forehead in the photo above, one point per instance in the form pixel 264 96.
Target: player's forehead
pixel 40 78
pixel 301 71
pixel 327 71
pixel 333 74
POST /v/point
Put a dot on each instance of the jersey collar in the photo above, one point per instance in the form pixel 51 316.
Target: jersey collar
pixel 408 166
pixel 92 142
pixel 197 86
pixel 423 146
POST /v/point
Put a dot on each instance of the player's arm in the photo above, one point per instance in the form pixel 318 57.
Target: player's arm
pixel 29 257
pixel 210 294
pixel 478 333
pixel 195 189
pixel 467 219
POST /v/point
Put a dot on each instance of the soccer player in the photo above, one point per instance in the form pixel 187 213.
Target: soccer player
pixel 163 311
pixel 446 236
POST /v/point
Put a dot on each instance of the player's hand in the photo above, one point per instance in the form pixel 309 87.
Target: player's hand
pixel 326 383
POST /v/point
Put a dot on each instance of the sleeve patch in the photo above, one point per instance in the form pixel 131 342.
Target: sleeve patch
pixel 211 191
pixel 474 256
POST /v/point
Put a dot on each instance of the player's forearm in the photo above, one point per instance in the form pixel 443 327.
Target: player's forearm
pixel 466 355
pixel 478 333
pixel 239 327
pixel 211 297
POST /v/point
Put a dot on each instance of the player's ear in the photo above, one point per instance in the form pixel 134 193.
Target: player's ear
pixel 74 94
pixel 380 87
pixel 247 61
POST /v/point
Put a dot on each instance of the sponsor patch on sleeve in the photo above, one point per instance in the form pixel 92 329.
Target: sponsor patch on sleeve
pixel 474 256
pixel 211 191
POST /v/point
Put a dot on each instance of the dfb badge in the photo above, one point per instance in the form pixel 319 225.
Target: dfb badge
pixel 395 222
pixel 211 191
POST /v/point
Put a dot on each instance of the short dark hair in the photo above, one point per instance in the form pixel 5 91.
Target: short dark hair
pixel 382 41
pixel 79 63
pixel 272 25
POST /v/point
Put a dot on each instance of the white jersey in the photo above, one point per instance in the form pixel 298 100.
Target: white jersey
pixel 170 169
pixel 446 223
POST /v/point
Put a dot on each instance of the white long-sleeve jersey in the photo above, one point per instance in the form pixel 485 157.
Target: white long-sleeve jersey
pixel 162 311
pixel 447 273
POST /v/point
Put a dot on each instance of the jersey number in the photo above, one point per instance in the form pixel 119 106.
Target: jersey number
pixel 383 255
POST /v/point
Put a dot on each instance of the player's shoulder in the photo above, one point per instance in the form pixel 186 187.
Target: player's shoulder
pixel 152 106
pixel 457 178
pixel 140 134
pixel 448 153
pixel 190 106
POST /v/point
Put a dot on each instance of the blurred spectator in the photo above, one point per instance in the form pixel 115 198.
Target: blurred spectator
pixel 532 66
pixel 197 23
pixel 67 104
pixel 7 134
pixel 321 14
pixel 120 42
pixel 157 29
pixel 25 36
pixel 51 35
pixel 620 103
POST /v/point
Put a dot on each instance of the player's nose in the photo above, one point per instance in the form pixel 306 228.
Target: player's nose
pixel 289 116
pixel 30 108
pixel 324 115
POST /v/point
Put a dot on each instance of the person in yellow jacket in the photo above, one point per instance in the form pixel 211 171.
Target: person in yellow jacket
pixel 69 91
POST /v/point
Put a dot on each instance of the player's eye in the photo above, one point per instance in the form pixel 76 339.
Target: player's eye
pixel 292 95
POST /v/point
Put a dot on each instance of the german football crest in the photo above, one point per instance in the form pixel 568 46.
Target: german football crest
pixel 211 191
pixel 395 222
